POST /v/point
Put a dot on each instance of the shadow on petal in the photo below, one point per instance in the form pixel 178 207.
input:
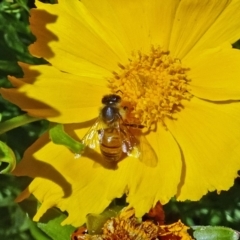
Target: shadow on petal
pixel 30 166
pixel 39 20
pixel 33 107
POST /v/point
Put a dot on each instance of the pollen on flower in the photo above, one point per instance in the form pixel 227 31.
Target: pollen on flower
pixel 152 86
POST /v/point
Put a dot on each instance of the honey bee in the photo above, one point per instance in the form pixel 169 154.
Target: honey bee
pixel 113 136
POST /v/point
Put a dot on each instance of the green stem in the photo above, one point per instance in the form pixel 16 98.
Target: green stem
pixel 16 122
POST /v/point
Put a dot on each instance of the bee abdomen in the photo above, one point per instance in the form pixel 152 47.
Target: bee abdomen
pixel 111 145
pixel 111 154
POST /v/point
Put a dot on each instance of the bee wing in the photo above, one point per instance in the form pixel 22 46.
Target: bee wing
pixel 147 153
pixel 92 137
pixel 129 142
pixel 142 150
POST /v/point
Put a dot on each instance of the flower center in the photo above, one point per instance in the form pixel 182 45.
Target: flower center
pixel 152 87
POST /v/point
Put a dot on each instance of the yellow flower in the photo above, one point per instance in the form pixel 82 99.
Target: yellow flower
pixel 174 67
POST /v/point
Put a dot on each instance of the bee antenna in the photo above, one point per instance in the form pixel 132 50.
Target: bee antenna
pixel 119 91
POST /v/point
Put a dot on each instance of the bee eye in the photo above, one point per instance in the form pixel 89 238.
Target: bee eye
pixel 117 99
pixel 111 99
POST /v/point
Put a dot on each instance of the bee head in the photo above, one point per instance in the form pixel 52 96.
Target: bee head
pixel 111 99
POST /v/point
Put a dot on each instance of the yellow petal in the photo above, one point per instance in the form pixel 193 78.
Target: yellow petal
pixel 73 185
pixel 193 18
pixel 208 135
pixel 55 95
pixel 108 35
pixel 225 28
pixel 215 74
pixel 149 185
pixel 99 38
pixel 87 43
pixel 137 23
pixel 80 187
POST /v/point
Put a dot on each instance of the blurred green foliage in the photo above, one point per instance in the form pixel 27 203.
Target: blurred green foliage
pixel 213 209
pixel 15 37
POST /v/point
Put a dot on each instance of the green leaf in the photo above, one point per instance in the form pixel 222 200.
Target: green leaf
pixel 51 224
pixel 59 136
pixel 8 157
pixel 16 122
pixel 213 233
pixel 30 206
pixel 36 232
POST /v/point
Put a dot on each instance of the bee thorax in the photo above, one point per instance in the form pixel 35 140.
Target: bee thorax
pixel 109 114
